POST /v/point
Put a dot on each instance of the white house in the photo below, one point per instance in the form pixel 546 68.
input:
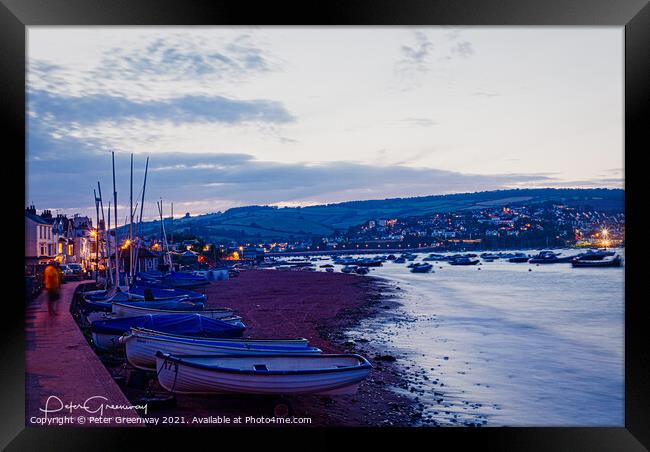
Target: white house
pixel 40 244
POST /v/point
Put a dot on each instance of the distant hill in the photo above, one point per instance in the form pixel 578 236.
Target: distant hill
pixel 287 223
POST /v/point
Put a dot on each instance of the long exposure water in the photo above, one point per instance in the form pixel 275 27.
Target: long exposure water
pixel 509 344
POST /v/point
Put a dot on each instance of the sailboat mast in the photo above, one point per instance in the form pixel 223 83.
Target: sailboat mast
pixel 144 187
pixel 108 246
pixel 96 237
pixel 117 242
pixel 131 223
pixel 103 229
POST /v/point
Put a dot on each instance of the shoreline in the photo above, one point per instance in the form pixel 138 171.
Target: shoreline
pixel 269 301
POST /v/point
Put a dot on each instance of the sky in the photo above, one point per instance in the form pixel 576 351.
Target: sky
pixel 297 116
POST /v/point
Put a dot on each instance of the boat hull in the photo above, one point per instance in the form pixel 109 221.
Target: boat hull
pixel 141 349
pixel 107 342
pixel 177 376
pixel 124 310
pixel 596 263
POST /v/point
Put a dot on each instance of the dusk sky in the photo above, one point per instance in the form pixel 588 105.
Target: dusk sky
pixel 300 116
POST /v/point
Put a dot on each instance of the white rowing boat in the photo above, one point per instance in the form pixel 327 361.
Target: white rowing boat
pixel 141 347
pixel 262 374
pixel 127 310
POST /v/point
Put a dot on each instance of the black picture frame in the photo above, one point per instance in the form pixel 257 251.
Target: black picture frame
pixel 634 15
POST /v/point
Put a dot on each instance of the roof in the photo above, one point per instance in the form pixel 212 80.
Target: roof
pixel 36 218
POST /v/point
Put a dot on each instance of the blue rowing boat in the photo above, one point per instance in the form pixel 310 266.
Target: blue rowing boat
pixel 107 332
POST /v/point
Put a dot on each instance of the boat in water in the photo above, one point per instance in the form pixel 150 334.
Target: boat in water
pixel 286 374
pixel 519 258
pixel 421 268
pixel 141 346
pixel 106 332
pixel 463 260
pixel 549 257
pixel 615 261
pixel 596 255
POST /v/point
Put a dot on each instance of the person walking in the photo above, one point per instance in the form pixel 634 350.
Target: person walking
pixel 52 281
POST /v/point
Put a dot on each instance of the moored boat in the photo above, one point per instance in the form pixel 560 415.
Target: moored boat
pixel 549 257
pixel 463 260
pixel 133 309
pixel 596 255
pixel 106 332
pixel 519 258
pixel 141 346
pixel 421 268
pixel 613 262
pixel 262 374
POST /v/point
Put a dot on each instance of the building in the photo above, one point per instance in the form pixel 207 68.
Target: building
pixel 255 254
pixel 40 243
pixel 62 239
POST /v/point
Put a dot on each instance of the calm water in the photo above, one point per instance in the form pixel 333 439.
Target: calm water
pixel 507 346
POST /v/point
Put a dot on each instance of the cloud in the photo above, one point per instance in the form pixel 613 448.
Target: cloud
pixel 179 56
pixel 462 49
pixel 414 61
pixel 416 58
pixel 157 65
pixel 66 170
pixel 485 94
pixel 99 107
pixel 419 122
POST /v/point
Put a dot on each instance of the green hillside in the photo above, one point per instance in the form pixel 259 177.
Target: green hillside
pixel 273 223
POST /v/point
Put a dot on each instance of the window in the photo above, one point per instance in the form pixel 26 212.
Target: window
pixel 60 248
pixel 70 249
pixel 42 250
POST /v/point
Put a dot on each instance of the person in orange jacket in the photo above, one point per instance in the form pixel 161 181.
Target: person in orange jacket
pixel 52 281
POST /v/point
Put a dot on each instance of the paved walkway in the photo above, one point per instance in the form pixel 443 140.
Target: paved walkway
pixel 59 362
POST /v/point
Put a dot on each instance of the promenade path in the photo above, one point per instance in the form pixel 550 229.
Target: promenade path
pixel 59 362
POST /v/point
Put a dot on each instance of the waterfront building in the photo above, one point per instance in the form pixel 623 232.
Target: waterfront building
pixel 39 241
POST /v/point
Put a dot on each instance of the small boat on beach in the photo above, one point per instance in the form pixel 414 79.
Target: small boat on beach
pixel 362 270
pixel 137 309
pixel 348 269
pixel 141 346
pixel 285 374
pixel 145 291
pixel 590 263
pixel 179 303
pixel 106 332
pixel 172 279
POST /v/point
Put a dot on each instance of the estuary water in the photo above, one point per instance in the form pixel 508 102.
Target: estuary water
pixel 509 344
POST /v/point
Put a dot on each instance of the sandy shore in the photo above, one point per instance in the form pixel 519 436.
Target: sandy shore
pixel 318 306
